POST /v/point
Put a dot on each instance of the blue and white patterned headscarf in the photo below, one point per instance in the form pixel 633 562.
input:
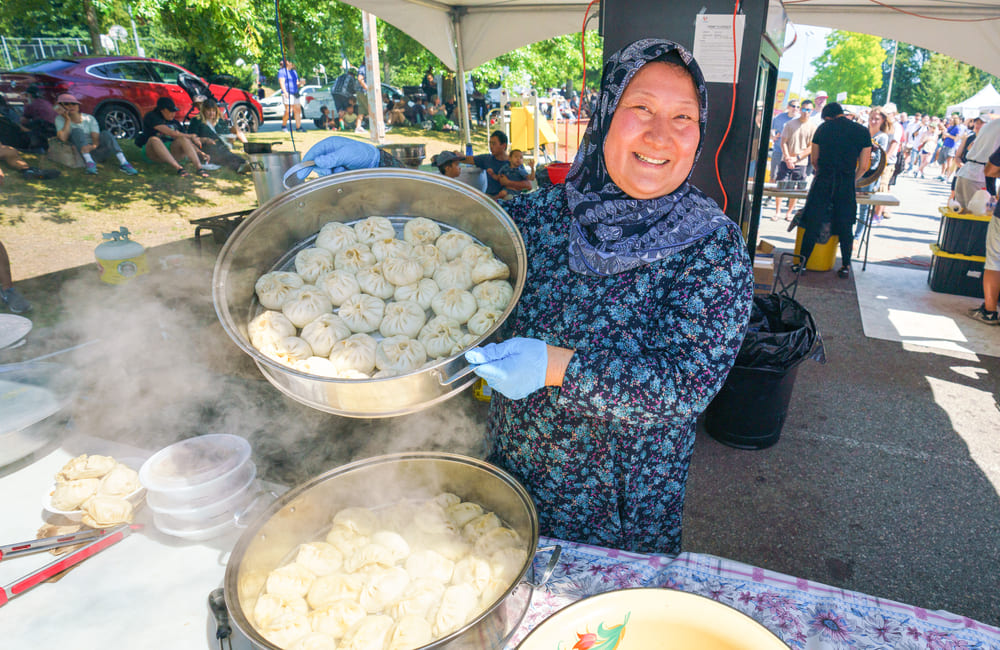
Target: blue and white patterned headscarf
pixel 611 231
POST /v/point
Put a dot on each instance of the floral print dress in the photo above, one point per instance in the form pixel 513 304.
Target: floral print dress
pixel 606 455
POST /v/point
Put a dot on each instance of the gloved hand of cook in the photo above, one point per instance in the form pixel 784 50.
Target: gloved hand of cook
pixel 339 154
pixel 516 367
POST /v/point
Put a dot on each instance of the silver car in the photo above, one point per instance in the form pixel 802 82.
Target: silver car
pixel 316 99
pixel 274 109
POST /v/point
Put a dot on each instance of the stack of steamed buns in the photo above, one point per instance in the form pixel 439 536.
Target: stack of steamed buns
pixel 363 303
pixel 395 578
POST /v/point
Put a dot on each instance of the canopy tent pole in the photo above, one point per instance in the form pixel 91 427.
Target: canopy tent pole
pixel 892 71
pixel 373 76
pixel 463 99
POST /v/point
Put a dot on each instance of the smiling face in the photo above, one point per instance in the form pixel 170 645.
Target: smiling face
pixel 651 144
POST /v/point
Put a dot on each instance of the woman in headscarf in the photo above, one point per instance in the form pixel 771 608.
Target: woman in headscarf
pixel 637 296
pixel 636 299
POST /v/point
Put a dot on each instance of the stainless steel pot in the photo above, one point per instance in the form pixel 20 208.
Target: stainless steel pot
pixel 32 395
pixel 410 155
pixel 267 169
pixel 270 237
pixel 304 514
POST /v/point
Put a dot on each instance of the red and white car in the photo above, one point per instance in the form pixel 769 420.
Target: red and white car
pixel 118 91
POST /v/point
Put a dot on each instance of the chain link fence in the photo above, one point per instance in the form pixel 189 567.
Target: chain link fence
pixel 16 52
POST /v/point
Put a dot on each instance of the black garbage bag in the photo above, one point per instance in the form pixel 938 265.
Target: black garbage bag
pixel 751 407
pixel 781 334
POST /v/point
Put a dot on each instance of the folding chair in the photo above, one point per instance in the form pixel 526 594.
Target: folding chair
pixel 786 284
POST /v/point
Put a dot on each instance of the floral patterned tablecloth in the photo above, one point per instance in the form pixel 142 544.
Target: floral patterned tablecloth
pixel 805 614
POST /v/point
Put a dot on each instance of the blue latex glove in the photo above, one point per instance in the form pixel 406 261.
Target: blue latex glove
pixel 515 368
pixel 339 154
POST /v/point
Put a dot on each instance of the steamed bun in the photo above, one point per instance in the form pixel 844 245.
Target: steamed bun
pixel 311 263
pixel 421 230
pixel 306 304
pixel 274 288
pixel 335 237
pixel 268 328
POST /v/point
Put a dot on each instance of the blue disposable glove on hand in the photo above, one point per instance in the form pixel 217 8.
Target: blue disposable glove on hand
pixel 339 154
pixel 516 367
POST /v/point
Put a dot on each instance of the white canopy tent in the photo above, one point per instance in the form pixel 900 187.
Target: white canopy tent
pixel 986 100
pixel 467 33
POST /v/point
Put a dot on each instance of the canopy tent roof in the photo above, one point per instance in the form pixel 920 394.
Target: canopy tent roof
pixel 485 28
pixel 967 30
pixel 985 101
pixel 468 33
pixel 481 30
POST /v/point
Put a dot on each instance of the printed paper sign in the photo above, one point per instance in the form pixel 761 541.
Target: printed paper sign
pixel 713 46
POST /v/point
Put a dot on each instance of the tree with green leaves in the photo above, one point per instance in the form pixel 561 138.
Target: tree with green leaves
pixel 209 36
pixel 945 81
pixel 555 62
pixel 909 61
pixel 851 63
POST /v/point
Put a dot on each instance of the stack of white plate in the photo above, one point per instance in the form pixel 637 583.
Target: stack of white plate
pixel 197 488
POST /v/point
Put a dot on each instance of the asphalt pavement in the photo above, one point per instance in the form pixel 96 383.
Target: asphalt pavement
pixel 885 477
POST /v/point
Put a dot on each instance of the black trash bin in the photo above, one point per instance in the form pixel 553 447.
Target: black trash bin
pixel 750 409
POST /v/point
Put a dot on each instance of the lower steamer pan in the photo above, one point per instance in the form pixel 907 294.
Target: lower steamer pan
pixel 290 222
pixel 304 514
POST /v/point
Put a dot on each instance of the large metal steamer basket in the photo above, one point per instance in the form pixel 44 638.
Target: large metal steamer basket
pixel 270 237
pixel 304 514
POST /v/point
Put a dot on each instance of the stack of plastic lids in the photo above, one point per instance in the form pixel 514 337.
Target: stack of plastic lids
pixel 198 487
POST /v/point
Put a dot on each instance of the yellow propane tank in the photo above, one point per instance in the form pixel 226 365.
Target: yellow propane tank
pixel 119 258
pixel 482 391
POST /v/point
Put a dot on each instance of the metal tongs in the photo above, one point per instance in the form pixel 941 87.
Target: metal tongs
pixel 102 539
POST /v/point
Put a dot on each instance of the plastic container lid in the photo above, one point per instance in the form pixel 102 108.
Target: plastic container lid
pixel 194 533
pixel 201 511
pixel 195 520
pixel 194 465
pixel 206 494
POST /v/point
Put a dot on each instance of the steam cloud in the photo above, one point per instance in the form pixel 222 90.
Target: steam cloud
pixel 165 370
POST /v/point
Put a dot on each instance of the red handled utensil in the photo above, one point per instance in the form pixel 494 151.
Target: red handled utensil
pixel 9 551
pixel 105 538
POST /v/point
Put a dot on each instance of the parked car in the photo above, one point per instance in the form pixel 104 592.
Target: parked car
pixel 319 97
pixel 118 91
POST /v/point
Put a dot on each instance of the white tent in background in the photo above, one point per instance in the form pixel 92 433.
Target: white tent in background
pixel 986 100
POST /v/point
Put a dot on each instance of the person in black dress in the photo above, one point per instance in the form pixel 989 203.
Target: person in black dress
pixel 841 154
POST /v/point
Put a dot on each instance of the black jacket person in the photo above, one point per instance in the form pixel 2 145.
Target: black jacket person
pixel 841 153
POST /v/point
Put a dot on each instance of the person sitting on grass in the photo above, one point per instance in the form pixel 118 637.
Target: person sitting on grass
pixel 12 158
pixel 325 121
pixel 348 118
pixel 514 176
pixel 437 114
pixel 163 139
pixel 217 147
pixel 39 115
pixel 447 163
pixel 81 130
pixel 9 295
